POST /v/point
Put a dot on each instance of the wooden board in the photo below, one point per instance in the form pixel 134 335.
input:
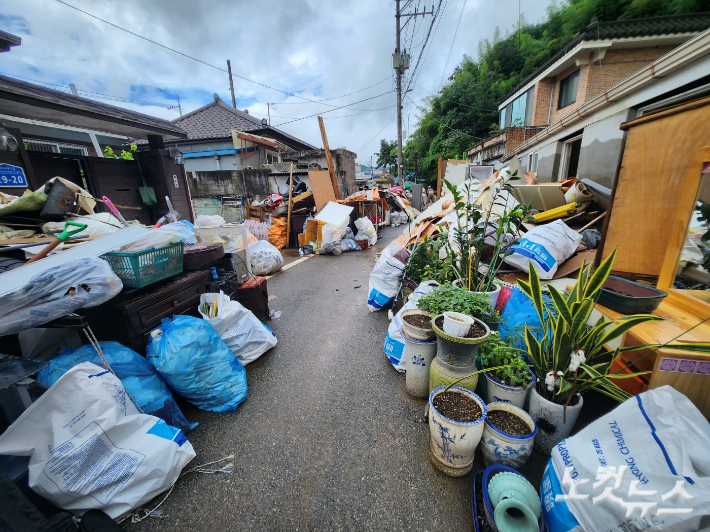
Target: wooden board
pixel 322 187
pixel 654 167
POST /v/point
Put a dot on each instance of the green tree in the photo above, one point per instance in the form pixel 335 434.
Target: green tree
pixel 387 155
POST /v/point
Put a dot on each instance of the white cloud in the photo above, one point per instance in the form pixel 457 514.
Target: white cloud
pixel 314 48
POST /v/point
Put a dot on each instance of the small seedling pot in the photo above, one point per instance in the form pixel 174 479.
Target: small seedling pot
pixel 452 444
pixel 457 324
pixel 499 447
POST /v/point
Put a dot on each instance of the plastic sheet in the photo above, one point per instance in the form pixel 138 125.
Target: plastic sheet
pixel 164 235
pixel 197 364
pixel 58 291
pixel 265 258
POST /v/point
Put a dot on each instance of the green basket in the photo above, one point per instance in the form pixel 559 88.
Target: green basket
pixel 141 268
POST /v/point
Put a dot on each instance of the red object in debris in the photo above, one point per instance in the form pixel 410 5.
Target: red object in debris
pixel 503 298
pixel 253 294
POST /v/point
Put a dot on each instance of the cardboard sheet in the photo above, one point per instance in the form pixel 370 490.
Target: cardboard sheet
pixel 322 187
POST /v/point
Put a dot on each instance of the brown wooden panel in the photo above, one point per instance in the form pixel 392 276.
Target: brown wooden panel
pixel 651 178
pixel 322 187
pixel 45 168
pixel 150 317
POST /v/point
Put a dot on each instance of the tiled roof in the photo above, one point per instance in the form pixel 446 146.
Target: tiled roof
pixel 218 120
pixel 624 29
pixel 35 95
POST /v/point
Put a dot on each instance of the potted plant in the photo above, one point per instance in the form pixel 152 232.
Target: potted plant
pixel 449 298
pixel 456 419
pixel 508 435
pixel 416 324
pixel 511 382
pixel 569 357
pixel 493 229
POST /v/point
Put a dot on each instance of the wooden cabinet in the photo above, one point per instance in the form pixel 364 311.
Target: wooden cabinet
pixel 131 316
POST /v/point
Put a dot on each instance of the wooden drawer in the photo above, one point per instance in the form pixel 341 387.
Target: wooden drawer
pixel 150 317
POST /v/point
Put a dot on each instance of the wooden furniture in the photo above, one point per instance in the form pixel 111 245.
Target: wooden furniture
pixel 255 213
pixel 645 198
pixel 131 316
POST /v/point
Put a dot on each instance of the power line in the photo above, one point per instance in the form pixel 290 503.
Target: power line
pixel 427 52
pixel 438 121
pixel 452 42
pixel 335 109
pixel 334 97
pixel 426 40
pixel 193 58
pixel 358 114
pixel 454 102
pixel 378 133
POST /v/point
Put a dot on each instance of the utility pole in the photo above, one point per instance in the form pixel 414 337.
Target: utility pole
pixel 231 83
pixel 400 62
pixel 178 106
pixel 268 111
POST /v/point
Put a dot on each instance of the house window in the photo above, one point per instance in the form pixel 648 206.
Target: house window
pixel 519 112
pixel 532 163
pixel 55 147
pixel 570 158
pixel 502 118
pixel 568 90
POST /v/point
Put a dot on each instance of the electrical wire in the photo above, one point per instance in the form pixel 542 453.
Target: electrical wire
pixel 334 97
pixel 440 122
pixel 380 131
pixel 456 103
pixel 198 60
pixel 427 51
pixel 441 83
pixel 336 108
pixel 426 40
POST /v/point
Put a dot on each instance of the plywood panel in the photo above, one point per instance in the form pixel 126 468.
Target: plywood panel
pixel 653 172
pixel 322 187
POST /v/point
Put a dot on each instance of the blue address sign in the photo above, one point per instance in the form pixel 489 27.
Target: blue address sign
pixel 12 176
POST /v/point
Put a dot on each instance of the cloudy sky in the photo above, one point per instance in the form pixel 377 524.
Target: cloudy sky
pixel 323 50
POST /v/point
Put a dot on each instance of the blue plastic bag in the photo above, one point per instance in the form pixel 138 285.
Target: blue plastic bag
pixel 138 376
pixel 197 364
pixel 518 312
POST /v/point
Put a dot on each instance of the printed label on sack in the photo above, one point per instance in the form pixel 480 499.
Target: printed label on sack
pixel 535 251
pixel 90 464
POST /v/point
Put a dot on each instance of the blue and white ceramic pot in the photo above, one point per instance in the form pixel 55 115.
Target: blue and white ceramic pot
pixel 452 444
pixel 498 391
pixel 501 448
pixel 418 356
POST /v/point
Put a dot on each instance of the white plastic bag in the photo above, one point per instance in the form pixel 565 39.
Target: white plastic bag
pixel 661 439
pixel 365 227
pixel 96 224
pixel 243 333
pixel 394 341
pixel 204 221
pixel 89 447
pixel 546 247
pixel 164 235
pixel 384 279
pixel 58 291
pixel 265 258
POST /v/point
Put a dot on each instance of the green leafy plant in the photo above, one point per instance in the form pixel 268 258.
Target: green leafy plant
pixel 424 264
pixel 126 155
pixel 495 352
pixel 475 227
pixel 569 357
pixel 449 298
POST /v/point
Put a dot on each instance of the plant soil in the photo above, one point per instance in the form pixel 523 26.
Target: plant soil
pixel 418 320
pixel 475 331
pixel 620 292
pixel 481 506
pixel 457 407
pixel 509 423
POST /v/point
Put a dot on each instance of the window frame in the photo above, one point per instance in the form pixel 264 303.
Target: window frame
pixel 574 75
pixel 566 154
pixel 534 156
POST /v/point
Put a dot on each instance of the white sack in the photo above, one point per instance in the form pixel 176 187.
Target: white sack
pixel 46 296
pixel 204 221
pixel 265 258
pixel 384 279
pixel 546 247
pixel 394 341
pixel 662 439
pixel 89 447
pixel 237 326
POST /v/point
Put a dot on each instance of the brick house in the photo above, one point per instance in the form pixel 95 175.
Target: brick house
pixel 556 98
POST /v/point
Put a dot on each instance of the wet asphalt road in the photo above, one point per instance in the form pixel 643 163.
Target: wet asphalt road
pixel 327 438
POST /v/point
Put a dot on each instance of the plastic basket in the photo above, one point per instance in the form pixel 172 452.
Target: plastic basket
pixel 314 232
pixel 138 269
